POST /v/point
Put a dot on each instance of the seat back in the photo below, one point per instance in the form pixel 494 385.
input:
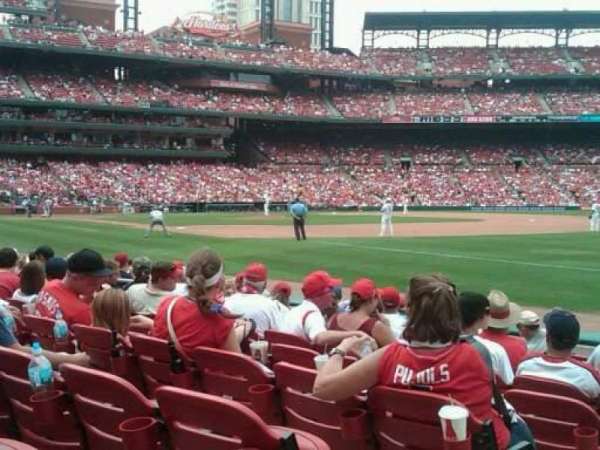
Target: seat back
pixel 279 337
pixel 299 356
pixel 548 386
pixel 154 360
pixel 42 329
pixel 99 344
pixel 552 418
pixel 103 401
pixel 228 374
pixel 405 418
pixel 16 387
pixel 305 412
pixel 197 420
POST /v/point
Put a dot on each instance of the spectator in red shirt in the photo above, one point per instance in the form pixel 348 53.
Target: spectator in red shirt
pixel 9 280
pixel 504 314
pixel 86 272
pixel 433 354
pixel 195 319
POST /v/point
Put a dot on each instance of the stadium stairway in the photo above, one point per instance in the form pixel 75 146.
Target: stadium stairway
pixel 544 104
pixel 84 39
pixel 498 64
pixel 24 86
pixel 574 65
pixel 468 106
pixel 92 84
pixel 331 109
pixel 5 33
pixel 392 108
pixel 155 46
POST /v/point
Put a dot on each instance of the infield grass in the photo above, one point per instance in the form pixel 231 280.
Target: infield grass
pixel 539 270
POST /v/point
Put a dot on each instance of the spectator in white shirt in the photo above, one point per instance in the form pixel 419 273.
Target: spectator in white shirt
pixel 475 315
pixel 308 319
pixel 529 327
pixel 562 335
pixel 393 309
pixel 251 303
pixel 145 297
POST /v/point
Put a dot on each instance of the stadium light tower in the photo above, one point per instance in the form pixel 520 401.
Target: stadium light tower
pixel 267 21
pixel 131 12
pixel 327 21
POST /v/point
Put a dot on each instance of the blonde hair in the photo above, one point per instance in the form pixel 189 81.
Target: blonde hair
pixel 111 309
pixel 201 266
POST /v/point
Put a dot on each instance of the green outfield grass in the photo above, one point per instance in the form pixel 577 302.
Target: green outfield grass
pixel 274 219
pixel 541 270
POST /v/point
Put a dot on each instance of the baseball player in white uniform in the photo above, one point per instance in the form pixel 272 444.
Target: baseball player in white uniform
pixel 157 218
pixel 267 204
pixel 595 218
pixel 387 210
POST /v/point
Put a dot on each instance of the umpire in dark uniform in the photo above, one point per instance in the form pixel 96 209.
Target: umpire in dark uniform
pixel 298 211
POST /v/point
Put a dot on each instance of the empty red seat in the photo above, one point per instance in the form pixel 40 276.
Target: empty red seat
pixel 305 412
pixel 103 401
pixel 279 337
pixel 299 356
pixel 106 354
pixel 154 361
pixel 231 375
pixel 552 418
pixel 197 420
pixel 44 436
pixel 405 418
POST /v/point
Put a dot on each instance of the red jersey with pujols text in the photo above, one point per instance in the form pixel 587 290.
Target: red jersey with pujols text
pixel 54 295
pixel 457 371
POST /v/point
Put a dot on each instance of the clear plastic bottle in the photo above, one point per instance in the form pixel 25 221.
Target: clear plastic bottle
pixel 7 318
pixel 61 329
pixel 39 371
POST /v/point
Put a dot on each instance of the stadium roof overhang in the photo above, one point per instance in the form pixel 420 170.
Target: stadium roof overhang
pixel 482 20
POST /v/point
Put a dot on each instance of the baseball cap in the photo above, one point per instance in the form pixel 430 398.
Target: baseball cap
pixel 256 271
pixel 364 288
pixel 141 263
pixel 282 288
pixel 122 258
pixel 88 262
pixel 529 318
pixel 562 327
pixel 44 250
pixel 56 268
pixel 318 283
pixel 391 297
pixel 503 312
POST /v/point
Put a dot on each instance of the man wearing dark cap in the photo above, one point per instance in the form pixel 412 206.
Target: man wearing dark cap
pixel 43 253
pixel 562 335
pixel 86 271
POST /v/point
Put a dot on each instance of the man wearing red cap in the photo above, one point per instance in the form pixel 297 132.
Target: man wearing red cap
pixel 307 320
pixel 393 309
pixel 145 297
pixel 281 292
pixel 252 304
pixel 122 259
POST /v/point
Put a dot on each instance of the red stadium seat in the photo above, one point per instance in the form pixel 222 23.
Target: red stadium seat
pixel 299 356
pixel 99 344
pixel 154 360
pixel 278 337
pixel 231 375
pixel 305 412
pixel 552 418
pixel 103 401
pixel 42 329
pixel 202 421
pixel 42 435
pixel 548 386
pixel 405 418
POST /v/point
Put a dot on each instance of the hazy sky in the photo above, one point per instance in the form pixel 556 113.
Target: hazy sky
pixel 349 14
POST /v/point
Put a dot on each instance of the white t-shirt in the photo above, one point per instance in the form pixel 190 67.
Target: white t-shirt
pixel 397 323
pixel 386 210
pixel 18 295
pixel 567 371
pixel 268 314
pixel 500 361
pixel 310 314
pixel 594 358
pixel 537 343
pixel 156 215
pixel 144 298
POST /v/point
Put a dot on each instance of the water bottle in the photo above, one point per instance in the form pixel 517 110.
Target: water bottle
pixel 7 318
pixel 39 371
pixel 61 329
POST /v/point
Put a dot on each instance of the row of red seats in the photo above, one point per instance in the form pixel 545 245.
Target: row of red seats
pixel 397 414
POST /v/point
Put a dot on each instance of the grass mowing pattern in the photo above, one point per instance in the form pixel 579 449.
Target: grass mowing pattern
pixel 540 270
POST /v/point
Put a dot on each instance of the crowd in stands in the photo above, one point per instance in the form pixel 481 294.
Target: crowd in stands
pixel 362 105
pixel 430 104
pixel 373 335
pixel 536 60
pixel 509 103
pixel 329 175
pixel 458 60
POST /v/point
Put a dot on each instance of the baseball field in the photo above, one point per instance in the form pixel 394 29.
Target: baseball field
pixel 539 260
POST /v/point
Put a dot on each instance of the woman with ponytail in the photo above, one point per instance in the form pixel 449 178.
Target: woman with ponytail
pixel 198 319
